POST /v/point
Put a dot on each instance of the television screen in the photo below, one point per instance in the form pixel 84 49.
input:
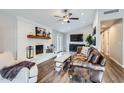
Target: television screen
pixel 76 38
pixel 73 47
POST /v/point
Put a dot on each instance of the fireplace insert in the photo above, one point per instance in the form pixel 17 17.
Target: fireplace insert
pixel 39 49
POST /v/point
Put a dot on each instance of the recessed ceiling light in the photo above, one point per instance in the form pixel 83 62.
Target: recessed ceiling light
pixel 62 23
pixel 82 13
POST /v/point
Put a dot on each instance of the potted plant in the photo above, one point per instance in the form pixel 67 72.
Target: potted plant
pixel 89 40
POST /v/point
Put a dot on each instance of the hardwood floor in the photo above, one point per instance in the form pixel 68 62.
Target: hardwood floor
pixel 113 74
pixel 45 68
pixel 62 77
pixel 54 77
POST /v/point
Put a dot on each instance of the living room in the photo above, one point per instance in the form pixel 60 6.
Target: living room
pixel 49 37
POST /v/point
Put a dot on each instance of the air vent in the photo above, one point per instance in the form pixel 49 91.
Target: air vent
pixel 111 11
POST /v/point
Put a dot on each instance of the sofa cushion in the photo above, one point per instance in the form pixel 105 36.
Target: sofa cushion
pixel 79 49
pixel 102 60
pixel 89 51
pixel 89 58
pixel 96 76
pixel 95 59
pixel 1 77
pixel 6 59
pixel 33 71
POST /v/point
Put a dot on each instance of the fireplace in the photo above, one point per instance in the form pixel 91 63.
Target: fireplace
pixel 73 47
pixel 39 49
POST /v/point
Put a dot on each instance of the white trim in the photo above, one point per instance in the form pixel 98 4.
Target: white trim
pixel 123 42
pixel 116 61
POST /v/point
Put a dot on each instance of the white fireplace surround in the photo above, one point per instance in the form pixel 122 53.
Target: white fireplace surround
pixel 25 27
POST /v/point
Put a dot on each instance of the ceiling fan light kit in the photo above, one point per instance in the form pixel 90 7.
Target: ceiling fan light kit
pixel 67 17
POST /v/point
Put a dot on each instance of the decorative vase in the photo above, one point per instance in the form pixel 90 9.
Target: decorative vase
pixel 44 33
pixel 48 34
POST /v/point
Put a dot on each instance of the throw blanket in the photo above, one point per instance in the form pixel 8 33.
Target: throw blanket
pixel 12 71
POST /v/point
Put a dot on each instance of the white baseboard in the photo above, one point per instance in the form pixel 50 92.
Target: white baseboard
pixel 116 61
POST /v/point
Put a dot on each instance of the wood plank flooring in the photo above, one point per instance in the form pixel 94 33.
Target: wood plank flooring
pixel 113 74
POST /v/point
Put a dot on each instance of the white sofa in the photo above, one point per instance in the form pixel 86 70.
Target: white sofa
pixel 24 76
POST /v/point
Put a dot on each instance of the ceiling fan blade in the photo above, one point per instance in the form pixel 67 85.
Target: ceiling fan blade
pixel 65 11
pixel 58 16
pixel 60 20
pixel 68 21
pixel 70 14
pixel 73 18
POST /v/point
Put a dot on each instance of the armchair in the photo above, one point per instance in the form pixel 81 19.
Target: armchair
pixel 24 76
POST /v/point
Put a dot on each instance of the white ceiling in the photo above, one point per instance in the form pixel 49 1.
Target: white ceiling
pixel 46 17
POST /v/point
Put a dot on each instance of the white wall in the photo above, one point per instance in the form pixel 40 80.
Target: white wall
pixel 116 42
pixel 85 31
pixel 55 34
pixel 26 27
pixel 106 44
pixel 8 28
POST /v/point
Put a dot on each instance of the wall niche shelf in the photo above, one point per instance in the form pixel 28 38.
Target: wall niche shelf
pixel 38 37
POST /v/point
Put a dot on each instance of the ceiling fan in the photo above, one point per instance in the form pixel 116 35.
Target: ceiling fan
pixel 67 17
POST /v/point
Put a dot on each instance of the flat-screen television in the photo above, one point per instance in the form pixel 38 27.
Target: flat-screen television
pixel 76 37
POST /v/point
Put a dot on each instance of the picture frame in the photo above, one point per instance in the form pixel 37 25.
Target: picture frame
pixel 39 31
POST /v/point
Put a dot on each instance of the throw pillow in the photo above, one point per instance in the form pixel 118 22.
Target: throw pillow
pixel 95 58
pixel 103 62
pixel 89 58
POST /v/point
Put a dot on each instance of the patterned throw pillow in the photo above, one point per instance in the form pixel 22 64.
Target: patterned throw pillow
pixel 95 58
pixel 103 62
pixel 89 51
pixel 89 58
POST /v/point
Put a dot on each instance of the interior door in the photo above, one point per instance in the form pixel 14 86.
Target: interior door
pixel 105 42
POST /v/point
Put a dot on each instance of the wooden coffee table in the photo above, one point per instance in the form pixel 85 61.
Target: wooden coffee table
pixel 61 60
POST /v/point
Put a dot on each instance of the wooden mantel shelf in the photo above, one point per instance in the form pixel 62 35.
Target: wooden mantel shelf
pixel 38 37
